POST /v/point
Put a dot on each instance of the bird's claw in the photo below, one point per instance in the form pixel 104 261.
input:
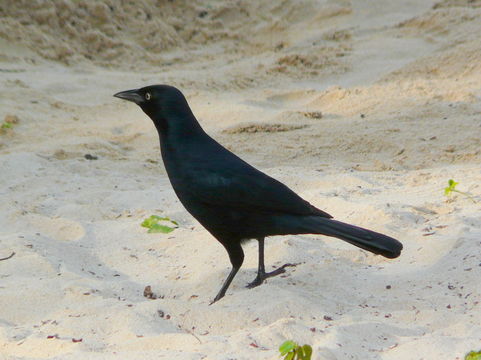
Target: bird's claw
pixel 257 281
pixel 261 277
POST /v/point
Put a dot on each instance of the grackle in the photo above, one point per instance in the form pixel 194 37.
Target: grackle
pixel 230 198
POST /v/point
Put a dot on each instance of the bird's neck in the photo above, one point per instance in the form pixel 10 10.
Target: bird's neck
pixel 178 127
pixel 179 133
pixel 178 144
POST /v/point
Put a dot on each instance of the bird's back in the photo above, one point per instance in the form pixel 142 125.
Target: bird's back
pixel 209 178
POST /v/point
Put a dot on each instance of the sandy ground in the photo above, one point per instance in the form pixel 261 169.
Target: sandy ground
pixel 365 110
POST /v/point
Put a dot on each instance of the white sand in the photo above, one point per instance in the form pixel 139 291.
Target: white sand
pixel 398 85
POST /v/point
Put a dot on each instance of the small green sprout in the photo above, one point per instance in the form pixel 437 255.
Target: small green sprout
pixel 292 351
pixel 8 123
pixel 473 355
pixel 452 188
pixel 152 223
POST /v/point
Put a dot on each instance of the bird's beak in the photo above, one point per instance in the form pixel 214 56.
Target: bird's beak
pixel 130 95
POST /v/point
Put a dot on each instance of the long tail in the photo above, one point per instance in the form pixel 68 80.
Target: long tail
pixel 365 239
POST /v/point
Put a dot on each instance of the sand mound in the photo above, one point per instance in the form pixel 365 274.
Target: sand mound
pixel 457 28
pixel 110 32
pixel 102 31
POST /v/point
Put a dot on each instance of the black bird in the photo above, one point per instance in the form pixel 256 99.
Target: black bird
pixel 230 198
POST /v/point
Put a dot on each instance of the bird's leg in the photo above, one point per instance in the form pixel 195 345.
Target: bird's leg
pixel 226 284
pixel 261 270
pixel 236 255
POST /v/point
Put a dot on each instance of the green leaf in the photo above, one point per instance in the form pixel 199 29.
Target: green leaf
pixel 290 356
pixel 147 223
pixel 307 350
pixel 7 125
pixel 152 223
pixel 153 219
pixel 287 346
pixel 158 228
pixel 451 187
pixel 473 355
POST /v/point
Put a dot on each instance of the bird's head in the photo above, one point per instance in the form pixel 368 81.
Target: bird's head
pixel 164 104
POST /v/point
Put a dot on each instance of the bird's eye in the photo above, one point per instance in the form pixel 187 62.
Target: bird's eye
pixel 148 96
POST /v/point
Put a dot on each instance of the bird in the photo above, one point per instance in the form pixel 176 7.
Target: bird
pixel 233 200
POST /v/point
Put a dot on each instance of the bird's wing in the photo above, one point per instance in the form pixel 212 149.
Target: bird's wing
pixel 247 189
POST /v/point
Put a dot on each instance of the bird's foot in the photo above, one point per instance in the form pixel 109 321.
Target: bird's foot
pixel 262 276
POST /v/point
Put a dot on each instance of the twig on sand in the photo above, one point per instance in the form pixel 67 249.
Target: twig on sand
pixel 8 257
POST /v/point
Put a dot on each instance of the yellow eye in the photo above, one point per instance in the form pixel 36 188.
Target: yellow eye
pixel 148 96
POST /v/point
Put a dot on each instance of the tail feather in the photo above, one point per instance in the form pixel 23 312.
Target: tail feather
pixel 365 239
